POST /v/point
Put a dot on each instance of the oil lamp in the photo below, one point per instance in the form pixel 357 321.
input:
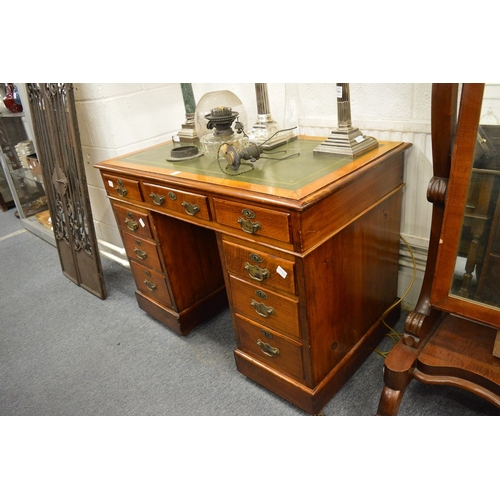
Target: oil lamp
pixel 216 112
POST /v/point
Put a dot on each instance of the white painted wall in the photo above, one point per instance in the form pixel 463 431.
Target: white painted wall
pixel 115 119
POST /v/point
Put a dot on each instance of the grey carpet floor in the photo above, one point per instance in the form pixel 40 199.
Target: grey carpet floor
pixel 65 352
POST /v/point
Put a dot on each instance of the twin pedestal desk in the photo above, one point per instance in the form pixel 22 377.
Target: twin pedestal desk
pixel 305 250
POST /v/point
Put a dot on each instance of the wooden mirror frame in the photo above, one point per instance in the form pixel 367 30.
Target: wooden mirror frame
pixel 456 197
pixel 448 340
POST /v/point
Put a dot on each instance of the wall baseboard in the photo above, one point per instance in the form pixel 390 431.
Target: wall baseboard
pixel 411 268
pixel 113 252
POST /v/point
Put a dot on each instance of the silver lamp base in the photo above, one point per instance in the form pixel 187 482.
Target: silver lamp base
pixel 188 132
pixel 264 129
pixel 350 142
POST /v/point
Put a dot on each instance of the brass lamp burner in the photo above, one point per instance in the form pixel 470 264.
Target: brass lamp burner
pixel 221 118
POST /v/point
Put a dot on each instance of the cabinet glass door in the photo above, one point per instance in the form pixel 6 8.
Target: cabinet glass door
pixel 20 167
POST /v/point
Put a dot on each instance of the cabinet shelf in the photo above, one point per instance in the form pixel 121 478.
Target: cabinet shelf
pixel 27 175
pixel 21 185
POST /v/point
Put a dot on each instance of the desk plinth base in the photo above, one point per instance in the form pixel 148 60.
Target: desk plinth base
pixel 182 323
pixel 313 400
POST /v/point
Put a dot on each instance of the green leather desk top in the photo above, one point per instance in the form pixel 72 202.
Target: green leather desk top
pixel 290 173
pixel 291 178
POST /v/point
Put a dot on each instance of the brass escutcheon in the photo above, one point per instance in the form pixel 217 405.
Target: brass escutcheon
pixel 248 213
pixel 255 258
pixel 172 195
pixel 262 295
pixel 266 334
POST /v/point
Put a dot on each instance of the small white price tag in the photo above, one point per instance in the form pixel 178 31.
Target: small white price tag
pixel 111 184
pixel 360 138
pixel 141 222
pixel 339 92
pixel 176 172
pixel 281 272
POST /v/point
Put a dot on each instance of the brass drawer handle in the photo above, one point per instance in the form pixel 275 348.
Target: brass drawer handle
pixel 261 309
pixel 190 208
pixel 141 254
pixel 248 226
pixel 158 199
pixel 132 224
pixel 151 286
pixel 256 272
pixel 121 191
pixel 267 349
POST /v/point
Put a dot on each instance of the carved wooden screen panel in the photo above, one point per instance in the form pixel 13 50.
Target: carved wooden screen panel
pixel 53 111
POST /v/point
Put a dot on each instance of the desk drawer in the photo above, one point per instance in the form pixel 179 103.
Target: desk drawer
pixel 271 348
pixel 260 267
pixel 151 283
pixel 253 220
pixel 121 187
pixel 268 308
pixel 141 250
pixel 194 205
pixel 133 220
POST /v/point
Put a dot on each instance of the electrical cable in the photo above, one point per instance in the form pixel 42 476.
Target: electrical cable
pixel 254 155
pixel 395 336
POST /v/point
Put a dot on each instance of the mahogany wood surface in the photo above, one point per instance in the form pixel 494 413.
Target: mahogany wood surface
pixel 308 273
pixel 465 142
pixel 460 353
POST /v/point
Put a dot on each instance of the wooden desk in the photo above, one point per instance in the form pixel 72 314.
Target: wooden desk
pixel 305 249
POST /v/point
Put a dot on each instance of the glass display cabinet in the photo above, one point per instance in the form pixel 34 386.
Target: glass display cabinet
pixel 6 200
pixel 452 337
pixel 22 174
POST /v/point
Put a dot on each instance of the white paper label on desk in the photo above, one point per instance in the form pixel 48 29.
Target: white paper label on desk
pixel 141 222
pixel 281 272
pixel 176 172
pixel 360 138
pixel 111 183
